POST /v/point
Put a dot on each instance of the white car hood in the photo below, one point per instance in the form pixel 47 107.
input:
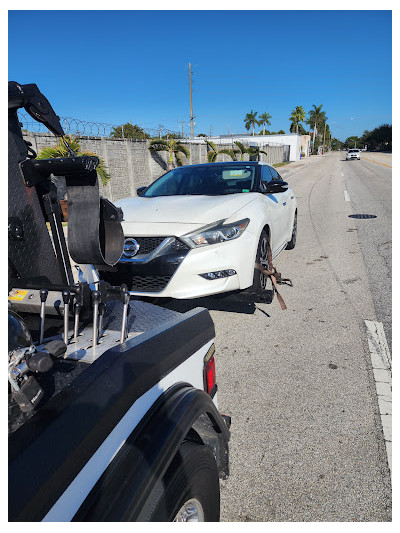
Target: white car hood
pixel 181 210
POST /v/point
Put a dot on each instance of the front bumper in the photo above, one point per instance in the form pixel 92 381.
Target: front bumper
pixel 177 274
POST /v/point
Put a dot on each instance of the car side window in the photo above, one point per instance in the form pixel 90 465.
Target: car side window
pixel 266 176
pixel 274 174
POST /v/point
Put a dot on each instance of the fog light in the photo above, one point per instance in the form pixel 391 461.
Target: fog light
pixel 218 274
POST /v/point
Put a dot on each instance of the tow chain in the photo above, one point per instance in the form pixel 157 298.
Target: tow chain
pixel 275 277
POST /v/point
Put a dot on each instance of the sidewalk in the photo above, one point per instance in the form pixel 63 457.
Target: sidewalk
pixel 291 168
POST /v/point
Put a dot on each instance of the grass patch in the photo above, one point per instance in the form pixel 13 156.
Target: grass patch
pixel 280 164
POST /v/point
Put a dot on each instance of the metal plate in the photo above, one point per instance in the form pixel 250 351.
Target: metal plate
pixel 142 317
pixel 33 255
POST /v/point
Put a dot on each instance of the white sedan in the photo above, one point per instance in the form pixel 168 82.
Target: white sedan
pixel 199 230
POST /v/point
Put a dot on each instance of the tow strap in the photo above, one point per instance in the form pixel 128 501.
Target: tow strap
pixel 275 276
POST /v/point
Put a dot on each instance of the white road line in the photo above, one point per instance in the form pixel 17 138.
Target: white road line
pixel 346 196
pixel 382 367
pixel 342 174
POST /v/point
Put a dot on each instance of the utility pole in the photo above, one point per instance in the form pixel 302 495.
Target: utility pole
pixel 211 131
pixel 159 130
pixel 191 102
pixel 314 136
pixel 181 122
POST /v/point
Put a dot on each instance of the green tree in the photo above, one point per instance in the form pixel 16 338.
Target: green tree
pixel 336 144
pixel 174 149
pixel 172 136
pixel 264 119
pixel 212 152
pixel 298 128
pixel 297 116
pixel 59 150
pixel 353 142
pixel 379 138
pixel 254 152
pixel 129 131
pixel 241 149
pixel 317 116
pixel 250 120
pixel 229 151
pixel 281 132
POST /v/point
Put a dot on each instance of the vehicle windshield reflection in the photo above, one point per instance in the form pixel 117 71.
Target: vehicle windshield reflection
pixel 212 180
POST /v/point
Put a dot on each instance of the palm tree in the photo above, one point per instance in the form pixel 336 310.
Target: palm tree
pixel 242 149
pixel 250 120
pixel 264 119
pixel 211 154
pixel 297 116
pixel 317 117
pixel 60 150
pixel 254 151
pixel 229 151
pixel 172 147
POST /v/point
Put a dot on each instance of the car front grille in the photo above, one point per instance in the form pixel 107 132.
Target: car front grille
pixel 149 283
pixel 147 245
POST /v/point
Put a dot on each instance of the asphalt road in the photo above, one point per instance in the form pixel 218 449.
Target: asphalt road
pixel 306 436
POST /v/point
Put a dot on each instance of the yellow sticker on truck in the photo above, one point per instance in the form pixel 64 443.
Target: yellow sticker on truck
pixel 17 294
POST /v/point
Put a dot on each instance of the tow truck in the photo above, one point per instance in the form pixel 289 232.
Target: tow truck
pixel 113 412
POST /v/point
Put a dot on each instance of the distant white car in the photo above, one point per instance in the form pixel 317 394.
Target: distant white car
pixel 199 229
pixel 353 153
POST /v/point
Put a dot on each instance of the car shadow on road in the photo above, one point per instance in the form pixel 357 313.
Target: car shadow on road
pixel 232 303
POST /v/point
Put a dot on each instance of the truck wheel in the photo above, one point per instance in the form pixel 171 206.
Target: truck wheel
pixel 189 491
pixel 292 243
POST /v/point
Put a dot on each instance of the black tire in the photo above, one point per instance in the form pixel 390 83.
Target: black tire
pixel 192 475
pixel 292 243
pixel 262 288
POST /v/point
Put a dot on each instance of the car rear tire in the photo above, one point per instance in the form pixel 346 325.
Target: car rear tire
pixel 189 490
pixel 292 243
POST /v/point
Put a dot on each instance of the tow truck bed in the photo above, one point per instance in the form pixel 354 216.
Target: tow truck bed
pixel 87 402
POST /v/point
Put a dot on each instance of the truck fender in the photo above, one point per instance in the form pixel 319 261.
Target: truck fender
pixel 182 412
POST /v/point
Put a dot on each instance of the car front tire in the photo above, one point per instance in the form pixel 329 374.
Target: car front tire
pixel 262 287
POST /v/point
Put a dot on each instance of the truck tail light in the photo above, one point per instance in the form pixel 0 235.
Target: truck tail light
pixel 210 384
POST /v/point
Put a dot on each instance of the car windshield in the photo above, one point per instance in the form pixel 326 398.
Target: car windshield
pixel 350 151
pixel 210 179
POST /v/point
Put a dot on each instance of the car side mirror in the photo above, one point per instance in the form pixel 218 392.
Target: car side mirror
pixel 276 186
pixel 140 190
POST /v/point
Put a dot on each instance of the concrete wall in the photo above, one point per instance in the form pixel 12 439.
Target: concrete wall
pixel 131 164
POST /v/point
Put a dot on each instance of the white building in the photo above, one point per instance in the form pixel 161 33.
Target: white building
pixel 292 139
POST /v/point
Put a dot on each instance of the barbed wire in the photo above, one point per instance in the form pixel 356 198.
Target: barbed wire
pixel 74 126
pixel 83 128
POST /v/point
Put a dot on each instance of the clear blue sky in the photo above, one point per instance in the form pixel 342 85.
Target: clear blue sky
pixel 119 66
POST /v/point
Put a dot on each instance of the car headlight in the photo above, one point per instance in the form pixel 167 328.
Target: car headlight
pixel 215 233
